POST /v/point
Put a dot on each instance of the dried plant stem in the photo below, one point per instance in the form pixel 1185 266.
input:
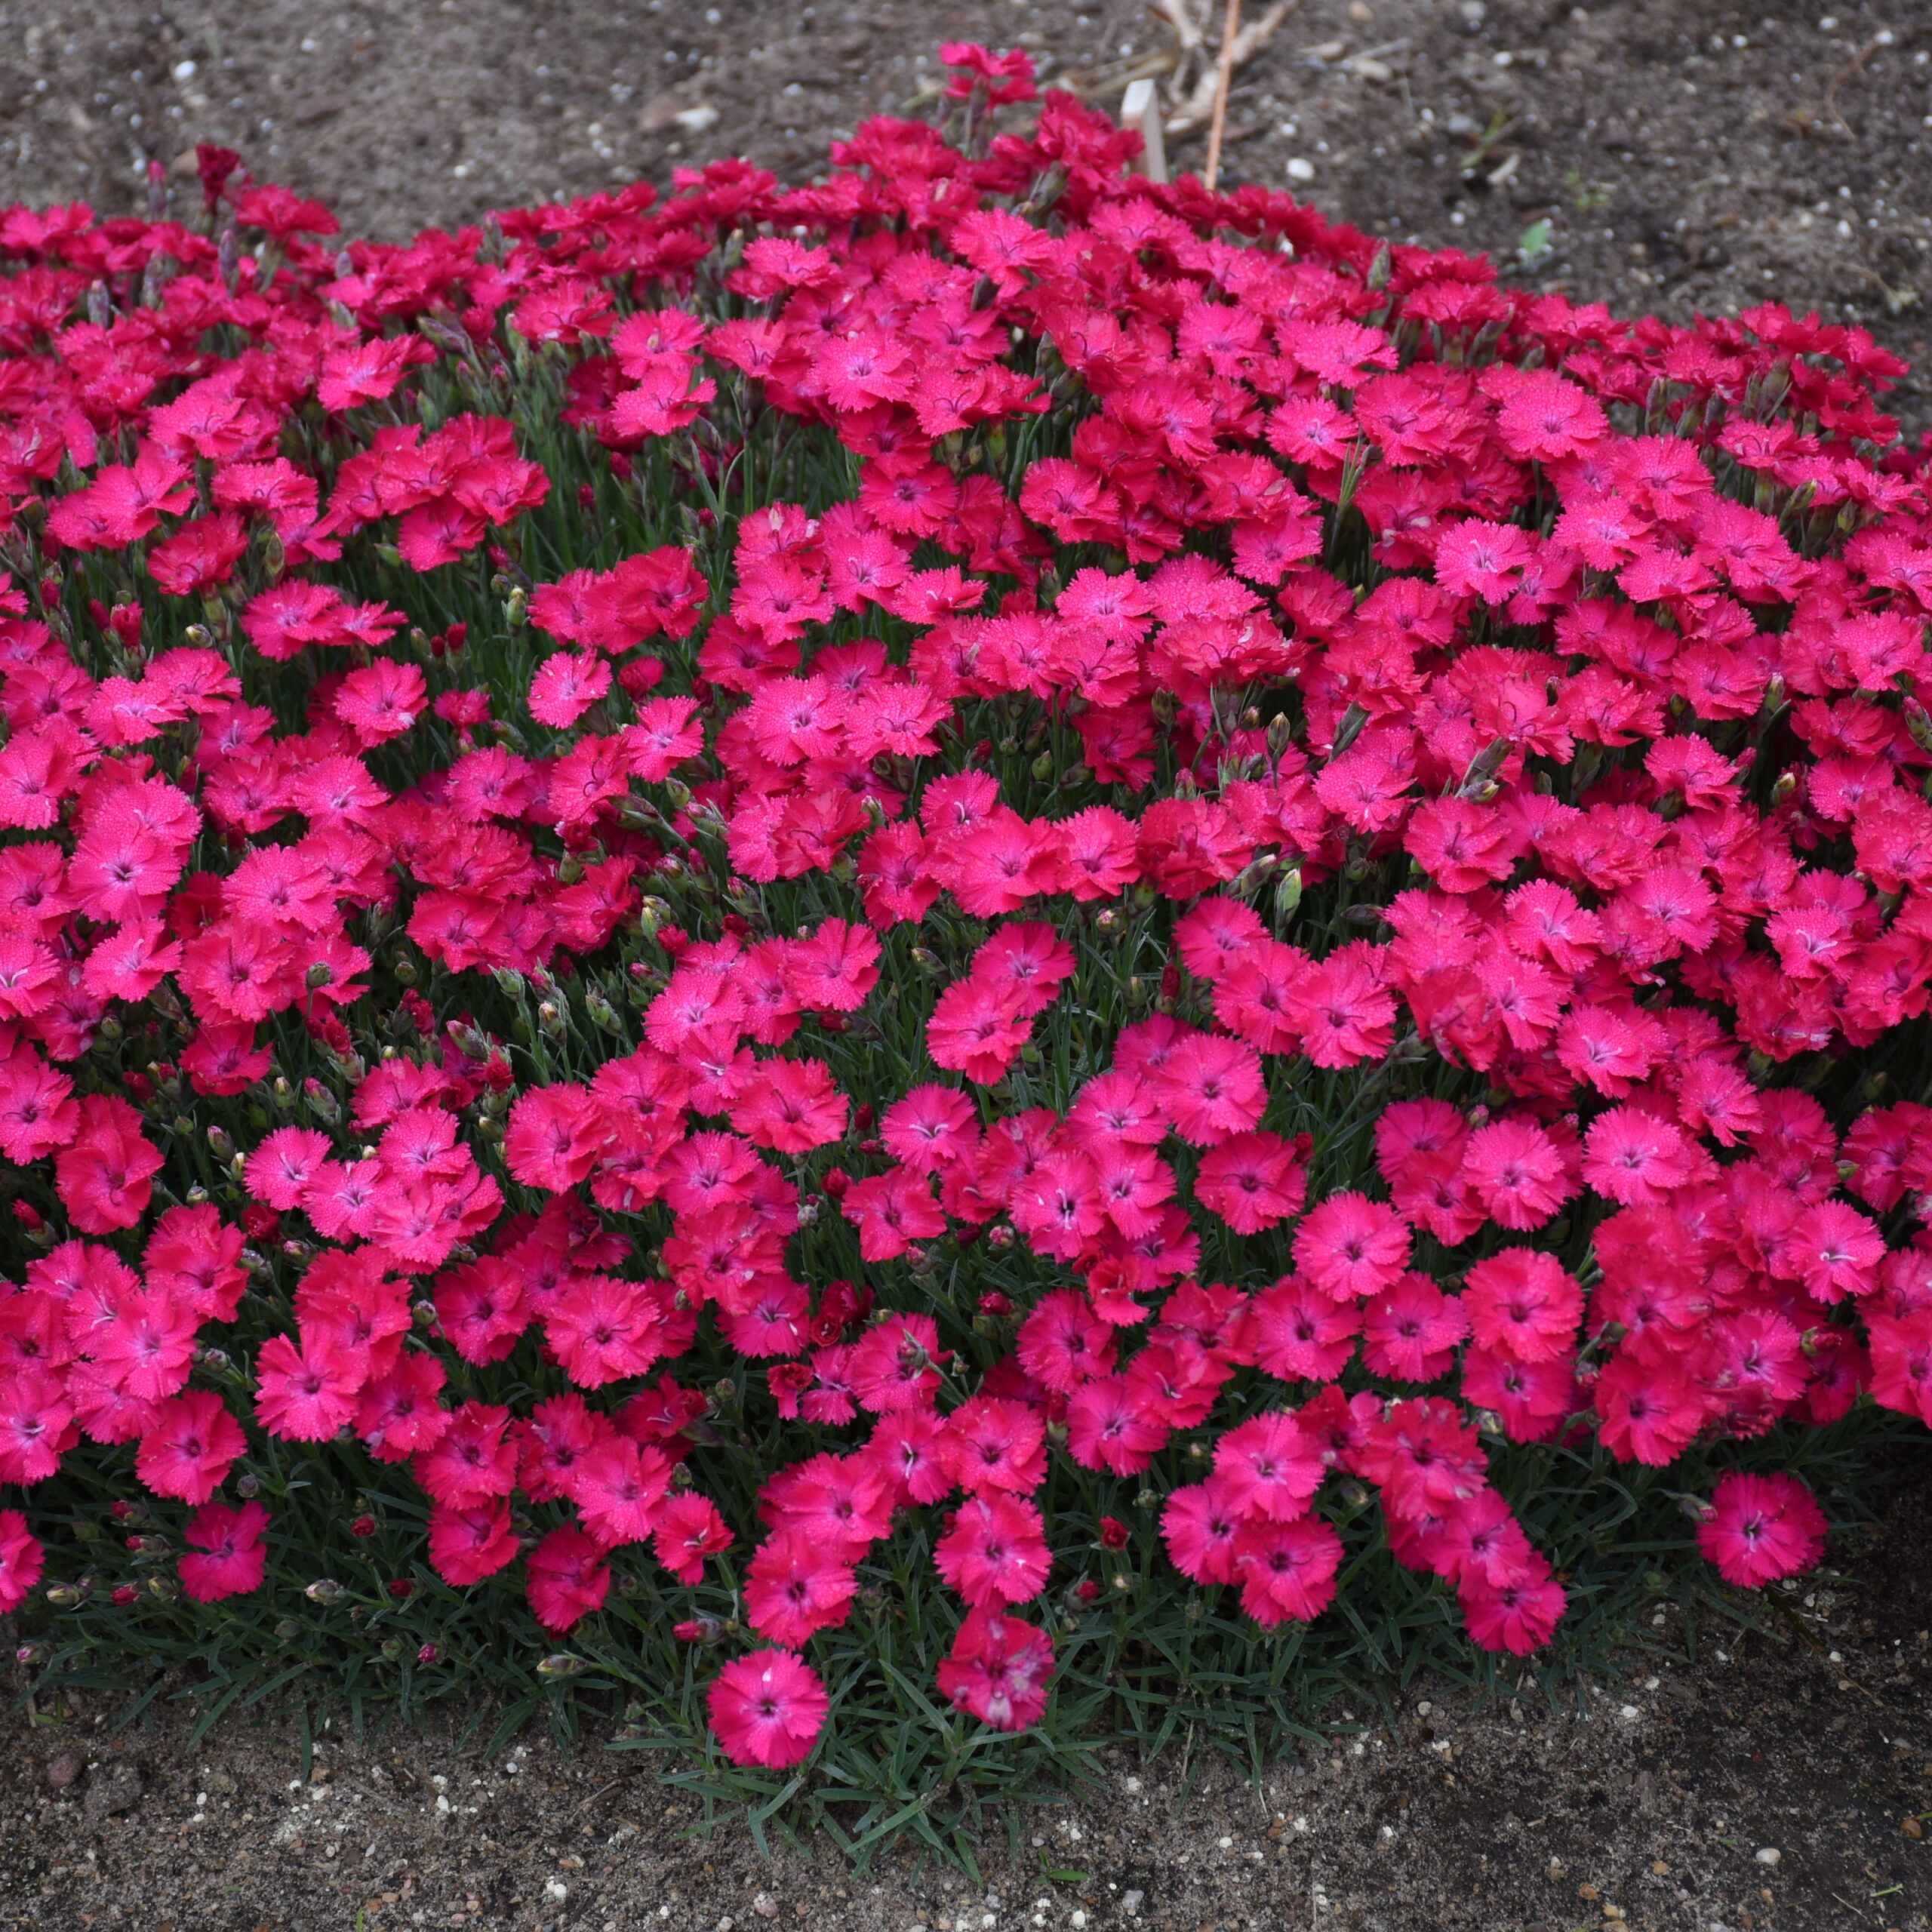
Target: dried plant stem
pixel 1223 77
pixel 1845 73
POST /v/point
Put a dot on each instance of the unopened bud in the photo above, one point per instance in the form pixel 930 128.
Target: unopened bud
pixel 1349 729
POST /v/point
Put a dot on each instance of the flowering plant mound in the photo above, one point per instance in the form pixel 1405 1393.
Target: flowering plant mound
pixel 898 907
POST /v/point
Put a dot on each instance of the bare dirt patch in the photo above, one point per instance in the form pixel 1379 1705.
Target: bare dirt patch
pixel 1771 1785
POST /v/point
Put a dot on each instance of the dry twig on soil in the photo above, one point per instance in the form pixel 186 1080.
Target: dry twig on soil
pixel 1191 100
pixel 1224 70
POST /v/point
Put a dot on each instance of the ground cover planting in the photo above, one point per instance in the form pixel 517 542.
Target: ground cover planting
pixel 934 964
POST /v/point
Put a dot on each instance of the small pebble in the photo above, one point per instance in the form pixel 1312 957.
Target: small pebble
pixel 765 1906
pixel 1770 1855
pixel 64 1769
pixel 1300 170
pixel 1130 1901
pixel 117 1788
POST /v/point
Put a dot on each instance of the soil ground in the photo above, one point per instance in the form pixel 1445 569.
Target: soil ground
pixel 1686 155
pixel 1776 1785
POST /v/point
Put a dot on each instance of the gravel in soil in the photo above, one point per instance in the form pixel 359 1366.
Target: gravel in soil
pixel 1667 156
pixel 1768 1787
pixel 1777 1784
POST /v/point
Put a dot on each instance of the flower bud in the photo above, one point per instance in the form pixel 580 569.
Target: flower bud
pixel 560 1665
pixel 1347 729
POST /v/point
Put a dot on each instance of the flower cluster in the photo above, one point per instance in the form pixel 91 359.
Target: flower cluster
pixel 1163 853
